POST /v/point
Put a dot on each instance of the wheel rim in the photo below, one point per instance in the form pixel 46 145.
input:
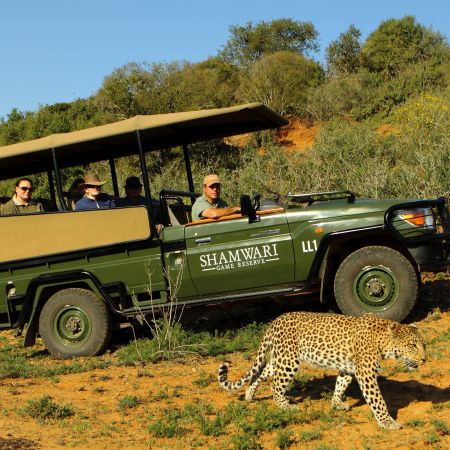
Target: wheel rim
pixel 376 288
pixel 72 326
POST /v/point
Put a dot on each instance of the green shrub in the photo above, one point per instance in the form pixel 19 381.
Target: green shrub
pixel 44 409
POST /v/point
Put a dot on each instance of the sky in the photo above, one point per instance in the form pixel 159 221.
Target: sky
pixel 61 50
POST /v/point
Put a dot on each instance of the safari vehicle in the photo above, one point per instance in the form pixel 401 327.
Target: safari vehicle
pixel 81 272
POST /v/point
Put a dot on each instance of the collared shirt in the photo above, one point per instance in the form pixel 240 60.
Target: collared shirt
pixel 14 206
pixel 201 204
pixel 103 201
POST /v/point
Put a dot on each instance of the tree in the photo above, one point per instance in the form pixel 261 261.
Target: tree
pixel 398 43
pixel 136 89
pixel 343 55
pixel 208 84
pixel 281 81
pixel 250 42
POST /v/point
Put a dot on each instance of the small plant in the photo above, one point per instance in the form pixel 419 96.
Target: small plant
pixel 441 427
pixel 169 426
pixel 246 441
pixel 416 423
pixel 284 439
pixel 204 379
pixel 45 409
pixel 199 413
pixel 306 436
pixel 440 406
pixel 161 395
pixel 128 402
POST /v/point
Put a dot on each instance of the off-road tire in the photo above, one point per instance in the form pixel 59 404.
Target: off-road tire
pixel 376 279
pixel 75 322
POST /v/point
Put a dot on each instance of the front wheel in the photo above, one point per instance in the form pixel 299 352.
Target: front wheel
pixel 75 322
pixel 378 280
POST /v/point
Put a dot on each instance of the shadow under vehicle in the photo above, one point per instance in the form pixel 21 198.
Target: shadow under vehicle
pixel 81 272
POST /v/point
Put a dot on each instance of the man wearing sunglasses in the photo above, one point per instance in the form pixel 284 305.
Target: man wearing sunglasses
pixel 93 197
pixel 22 202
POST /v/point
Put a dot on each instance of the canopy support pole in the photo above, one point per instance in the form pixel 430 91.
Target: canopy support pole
pixel 58 181
pixel 144 172
pixel 112 168
pixel 51 186
pixel 187 163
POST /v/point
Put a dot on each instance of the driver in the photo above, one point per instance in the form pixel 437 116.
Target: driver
pixel 210 205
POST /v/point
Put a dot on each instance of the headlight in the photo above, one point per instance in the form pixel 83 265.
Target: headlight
pixel 418 218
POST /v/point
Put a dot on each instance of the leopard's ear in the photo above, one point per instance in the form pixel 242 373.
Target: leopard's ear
pixel 394 327
pixel 413 325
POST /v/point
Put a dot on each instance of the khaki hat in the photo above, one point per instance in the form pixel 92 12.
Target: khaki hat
pixel 211 179
pixel 91 179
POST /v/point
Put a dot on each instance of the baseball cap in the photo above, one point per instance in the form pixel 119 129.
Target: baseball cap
pixel 211 179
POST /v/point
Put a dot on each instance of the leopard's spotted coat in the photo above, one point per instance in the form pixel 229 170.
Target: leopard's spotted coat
pixel 352 345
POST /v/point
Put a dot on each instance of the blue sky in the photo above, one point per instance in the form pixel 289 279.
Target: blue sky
pixel 60 50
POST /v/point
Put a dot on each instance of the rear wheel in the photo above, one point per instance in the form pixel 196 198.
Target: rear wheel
pixel 378 280
pixel 75 322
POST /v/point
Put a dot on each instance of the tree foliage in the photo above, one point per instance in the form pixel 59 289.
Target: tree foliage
pixel 398 43
pixel 281 81
pixel 343 55
pixel 399 75
pixel 251 42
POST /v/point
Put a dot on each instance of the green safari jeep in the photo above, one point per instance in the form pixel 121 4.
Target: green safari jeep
pixel 82 272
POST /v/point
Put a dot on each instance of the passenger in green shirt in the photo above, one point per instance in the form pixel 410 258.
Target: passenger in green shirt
pixel 210 205
pixel 22 202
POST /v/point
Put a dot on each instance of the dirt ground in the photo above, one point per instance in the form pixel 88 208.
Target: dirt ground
pixel 419 400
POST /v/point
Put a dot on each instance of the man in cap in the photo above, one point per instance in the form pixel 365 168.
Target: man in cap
pixel 210 205
pixel 22 202
pixel 93 197
pixel 133 189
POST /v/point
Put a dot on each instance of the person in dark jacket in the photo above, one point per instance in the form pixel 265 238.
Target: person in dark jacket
pixel 133 190
pixel 93 197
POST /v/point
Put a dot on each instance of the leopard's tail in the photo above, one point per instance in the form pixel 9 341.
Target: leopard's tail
pixel 250 376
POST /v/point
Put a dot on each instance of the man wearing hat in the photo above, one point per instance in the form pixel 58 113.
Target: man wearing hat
pixel 210 205
pixel 133 189
pixel 93 197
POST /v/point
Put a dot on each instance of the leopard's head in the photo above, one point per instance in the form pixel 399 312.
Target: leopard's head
pixel 406 344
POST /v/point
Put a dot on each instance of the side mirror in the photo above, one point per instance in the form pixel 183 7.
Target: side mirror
pixel 247 209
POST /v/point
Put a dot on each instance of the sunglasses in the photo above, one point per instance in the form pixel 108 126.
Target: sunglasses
pixel 26 188
pixel 92 186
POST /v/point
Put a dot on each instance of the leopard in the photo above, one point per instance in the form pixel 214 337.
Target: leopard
pixel 354 346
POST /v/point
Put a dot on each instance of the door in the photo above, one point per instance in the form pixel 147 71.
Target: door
pixel 234 255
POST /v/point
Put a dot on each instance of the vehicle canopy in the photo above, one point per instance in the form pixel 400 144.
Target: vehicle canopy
pixel 120 138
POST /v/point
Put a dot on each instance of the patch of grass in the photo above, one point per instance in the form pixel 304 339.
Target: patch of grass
pixel 432 438
pixel 190 344
pixel 440 406
pixel 415 423
pixel 128 402
pixel 284 439
pixel 441 427
pixel 169 425
pixel 45 409
pixel 19 362
pixel 163 394
pixel 307 436
pixel 441 338
pixel 204 379
pixel 245 442
pixel 330 447
pixel 209 422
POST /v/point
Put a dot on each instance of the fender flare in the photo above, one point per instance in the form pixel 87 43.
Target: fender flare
pixel 33 303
